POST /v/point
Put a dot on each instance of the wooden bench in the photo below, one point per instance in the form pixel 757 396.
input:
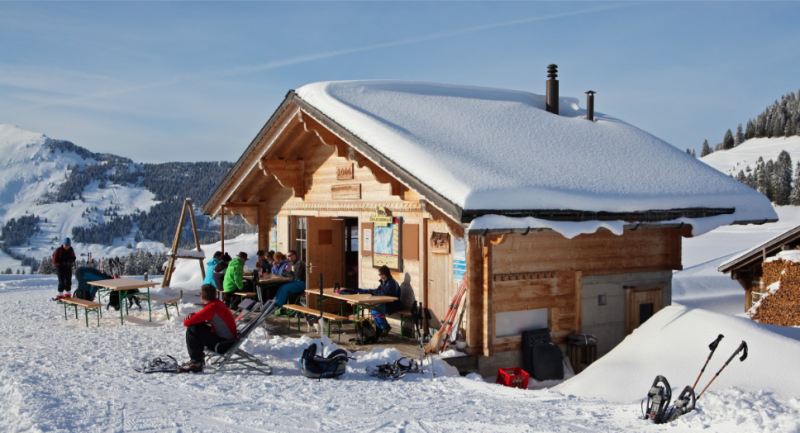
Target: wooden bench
pixel 166 301
pixel 86 305
pixel 330 317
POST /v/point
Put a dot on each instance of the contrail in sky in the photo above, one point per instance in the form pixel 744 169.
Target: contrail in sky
pixel 312 57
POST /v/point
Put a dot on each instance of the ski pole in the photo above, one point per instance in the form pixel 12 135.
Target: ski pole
pixel 321 312
pixel 713 347
pixel 742 347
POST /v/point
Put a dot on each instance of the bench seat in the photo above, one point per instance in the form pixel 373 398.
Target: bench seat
pixel 330 317
pixel 166 301
pixel 86 305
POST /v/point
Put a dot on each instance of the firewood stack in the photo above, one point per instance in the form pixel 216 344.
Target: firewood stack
pixel 782 307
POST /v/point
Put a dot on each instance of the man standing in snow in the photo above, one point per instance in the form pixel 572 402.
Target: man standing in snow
pixel 64 259
pixel 209 326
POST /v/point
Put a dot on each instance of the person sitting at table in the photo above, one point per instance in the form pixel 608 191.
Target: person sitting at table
pixel 388 287
pixel 280 264
pixel 219 270
pixel 233 280
pixel 264 261
pixel 211 264
pixel 206 328
pixel 297 272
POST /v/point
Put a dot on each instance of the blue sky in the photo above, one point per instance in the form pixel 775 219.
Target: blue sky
pixel 195 81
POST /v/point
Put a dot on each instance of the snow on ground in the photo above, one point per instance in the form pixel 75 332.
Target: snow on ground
pixel 57 375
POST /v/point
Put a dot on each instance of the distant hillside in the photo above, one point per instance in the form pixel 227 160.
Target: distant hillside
pixel 109 205
pixel 781 119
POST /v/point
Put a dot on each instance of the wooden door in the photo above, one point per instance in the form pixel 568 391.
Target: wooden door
pixel 325 237
pixel 642 302
pixel 441 286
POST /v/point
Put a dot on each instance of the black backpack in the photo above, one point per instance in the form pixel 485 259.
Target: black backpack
pixel 365 332
pixel 113 298
pixel 318 367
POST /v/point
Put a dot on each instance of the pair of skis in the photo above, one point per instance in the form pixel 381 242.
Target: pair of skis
pixel 660 393
pixel 439 339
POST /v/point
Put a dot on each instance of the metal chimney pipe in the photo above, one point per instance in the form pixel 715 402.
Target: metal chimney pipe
pixel 590 105
pixel 552 89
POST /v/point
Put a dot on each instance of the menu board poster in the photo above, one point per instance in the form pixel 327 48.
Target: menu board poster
pixel 386 245
pixel 459 258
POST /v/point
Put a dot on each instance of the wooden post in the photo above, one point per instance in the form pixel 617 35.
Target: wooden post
pixel 264 228
pixel 486 284
pixel 174 250
pixel 188 203
pixel 578 300
pixel 222 229
pixel 475 317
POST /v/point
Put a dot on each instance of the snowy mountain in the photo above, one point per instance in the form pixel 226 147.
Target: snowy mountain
pixel 109 205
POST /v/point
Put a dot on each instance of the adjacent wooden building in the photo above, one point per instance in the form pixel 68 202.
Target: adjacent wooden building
pixel 747 268
pixel 391 173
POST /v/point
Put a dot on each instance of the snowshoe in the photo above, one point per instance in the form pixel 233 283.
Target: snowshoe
pixel 395 370
pixel 658 401
pixel 166 364
pixel 683 405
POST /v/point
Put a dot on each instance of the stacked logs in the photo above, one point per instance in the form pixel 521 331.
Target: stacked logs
pixel 782 307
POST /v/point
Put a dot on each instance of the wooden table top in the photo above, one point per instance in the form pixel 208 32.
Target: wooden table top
pixel 360 299
pixel 123 283
pixel 274 280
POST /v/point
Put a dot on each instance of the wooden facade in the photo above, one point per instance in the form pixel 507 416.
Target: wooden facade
pixel 310 175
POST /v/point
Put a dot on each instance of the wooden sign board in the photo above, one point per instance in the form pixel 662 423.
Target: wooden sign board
pixel 439 243
pixel 345 172
pixel 346 192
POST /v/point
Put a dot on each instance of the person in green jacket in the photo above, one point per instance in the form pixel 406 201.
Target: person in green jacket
pixel 233 280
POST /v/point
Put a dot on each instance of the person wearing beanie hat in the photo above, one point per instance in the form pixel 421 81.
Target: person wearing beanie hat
pixel 64 259
pixel 219 270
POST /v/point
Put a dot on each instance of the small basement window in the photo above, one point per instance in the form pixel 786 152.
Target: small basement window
pixel 514 322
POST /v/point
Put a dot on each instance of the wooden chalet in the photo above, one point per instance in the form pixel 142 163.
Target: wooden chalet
pixel 349 202
pixel 747 268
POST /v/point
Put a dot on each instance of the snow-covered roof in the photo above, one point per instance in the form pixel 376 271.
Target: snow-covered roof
pixel 489 149
pixel 758 252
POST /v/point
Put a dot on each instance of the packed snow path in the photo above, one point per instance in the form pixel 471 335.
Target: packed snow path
pixel 58 375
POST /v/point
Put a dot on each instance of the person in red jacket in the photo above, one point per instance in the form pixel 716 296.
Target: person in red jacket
pixel 64 259
pixel 207 327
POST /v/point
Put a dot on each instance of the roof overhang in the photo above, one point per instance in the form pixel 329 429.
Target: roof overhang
pixel 760 252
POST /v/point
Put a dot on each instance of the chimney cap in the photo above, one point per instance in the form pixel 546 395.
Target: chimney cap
pixel 591 92
pixel 552 71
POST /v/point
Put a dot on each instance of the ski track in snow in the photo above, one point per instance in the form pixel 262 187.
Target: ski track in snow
pixel 58 375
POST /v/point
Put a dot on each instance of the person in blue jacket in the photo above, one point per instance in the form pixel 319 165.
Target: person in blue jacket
pixel 388 287
pixel 210 265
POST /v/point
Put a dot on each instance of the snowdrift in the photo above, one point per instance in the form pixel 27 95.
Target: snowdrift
pixel 674 343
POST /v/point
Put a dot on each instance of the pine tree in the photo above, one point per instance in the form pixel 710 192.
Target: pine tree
pixel 739 138
pixel 794 197
pixel 706 149
pixel 782 179
pixel 727 141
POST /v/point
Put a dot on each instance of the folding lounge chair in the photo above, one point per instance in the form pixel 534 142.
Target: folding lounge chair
pixel 235 359
pixel 246 308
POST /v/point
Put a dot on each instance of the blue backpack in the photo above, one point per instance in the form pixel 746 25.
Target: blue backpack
pixel 317 367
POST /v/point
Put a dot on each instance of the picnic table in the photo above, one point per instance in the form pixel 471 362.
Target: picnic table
pixel 118 284
pixel 359 301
